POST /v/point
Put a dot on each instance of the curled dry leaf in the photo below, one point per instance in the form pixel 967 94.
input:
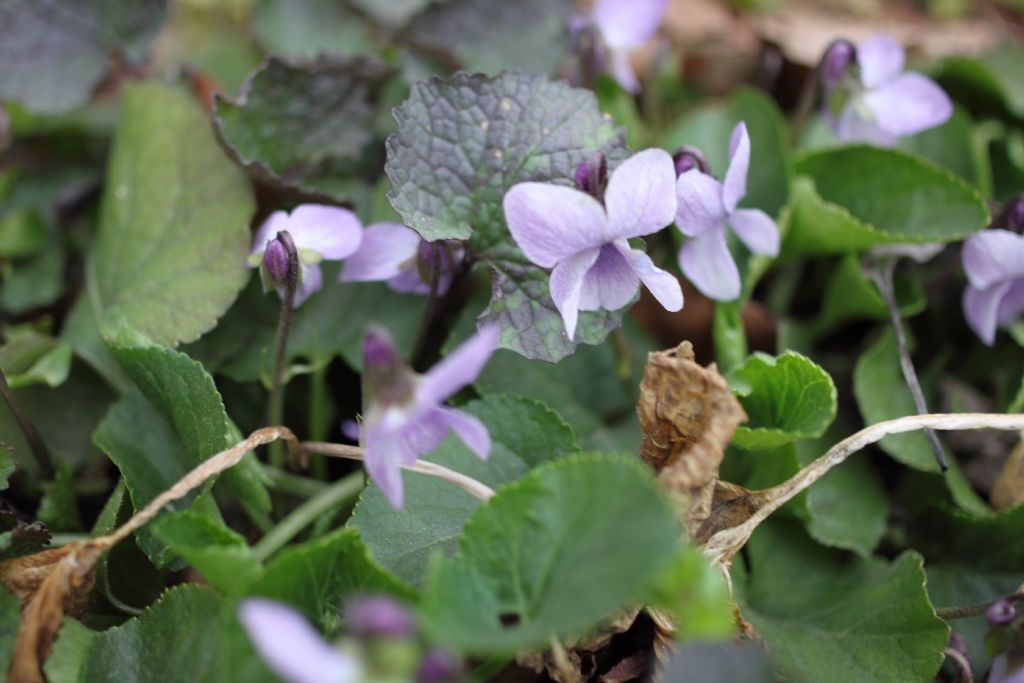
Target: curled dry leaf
pixel 580 653
pixel 688 415
pixel 55 582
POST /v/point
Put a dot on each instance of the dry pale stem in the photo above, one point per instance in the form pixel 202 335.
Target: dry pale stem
pixel 721 546
pixel 468 484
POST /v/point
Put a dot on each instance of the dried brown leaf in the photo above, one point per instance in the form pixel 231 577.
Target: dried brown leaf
pixel 688 415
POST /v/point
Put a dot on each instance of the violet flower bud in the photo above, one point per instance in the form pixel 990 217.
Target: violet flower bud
pixel 838 56
pixel 592 177
pixel 378 616
pixel 275 261
pixel 438 666
pixel 1001 613
pixel 1011 216
pixel 687 158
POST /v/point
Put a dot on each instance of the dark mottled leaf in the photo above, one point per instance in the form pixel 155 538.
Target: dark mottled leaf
pixel 291 120
pixel 460 145
pixel 53 54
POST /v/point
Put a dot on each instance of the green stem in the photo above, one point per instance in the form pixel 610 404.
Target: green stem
pixel 293 484
pixel 318 417
pixel 729 335
pixel 339 492
pixel 275 405
pixel 35 442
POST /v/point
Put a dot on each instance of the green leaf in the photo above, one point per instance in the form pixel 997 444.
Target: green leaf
pixel 305 29
pixel 850 295
pixel 696 595
pixel 392 13
pixel 849 621
pixel 29 358
pixel 69 652
pixel 65 417
pixel 895 193
pixel 186 396
pixel 710 127
pixel 524 434
pixel 317 576
pixel 811 225
pixel 220 555
pixel 957 146
pixel 460 145
pixel 971 559
pixel 996 76
pixel 786 398
pixel 170 254
pixel 6 466
pixel 527 35
pixel 551 555
pixel 174 640
pixel 53 56
pixel 289 121
pixel 10 617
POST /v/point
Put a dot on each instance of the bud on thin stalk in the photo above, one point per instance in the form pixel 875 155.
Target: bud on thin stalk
pixel 282 245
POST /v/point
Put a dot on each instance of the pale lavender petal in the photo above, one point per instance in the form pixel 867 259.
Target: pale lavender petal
pixel 1000 673
pixel 622 71
pixel 661 283
pixel 735 186
pixel 611 282
pixel 880 59
pixel 410 282
pixel 422 431
pixel 275 223
pixel 310 282
pixel 291 647
pixel 471 430
pixel 856 124
pixel 331 231
pixel 757 230
pixel 981 309
pixel 909 104
pixel 1012 305
pixel 992 256
pixel 706 262
pixel 384 452
pixel 700 203
pixel 386 251
pixel 550 223
pixel 628 23
pixel 641 196
pixel 566 286
pixel 458 368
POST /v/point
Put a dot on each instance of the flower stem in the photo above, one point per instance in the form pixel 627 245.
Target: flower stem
pixel 292 484
pixel 35 442
pixel 275 405
pixel 882 276
pixel 430 311
pixel 468 484
pixel 335 494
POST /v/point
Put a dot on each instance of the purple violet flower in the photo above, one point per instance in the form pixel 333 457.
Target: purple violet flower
pixel 320 233
pixel 404 415
pixel 994 263
pixel 376 616
pixel 1000 673
pixel 399 256
pixel 586 244
pixel 884 103
pixel 706 207
pixel 1001 613
pixel 438 666
pixel 626 25
pixel 291 647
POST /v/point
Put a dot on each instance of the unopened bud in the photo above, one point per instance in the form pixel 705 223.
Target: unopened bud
pixel 687 158
pixel 438 666
pixel 378 616
pixel 275 261
pixel 1001 613
pixel 838 56
pixel 592 177
pixel 1011 216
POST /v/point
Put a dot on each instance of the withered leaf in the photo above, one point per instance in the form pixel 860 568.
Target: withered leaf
pixel 1009 487
pixel 688 415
